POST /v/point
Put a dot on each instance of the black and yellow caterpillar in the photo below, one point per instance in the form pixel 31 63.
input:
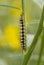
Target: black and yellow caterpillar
pixel 22 34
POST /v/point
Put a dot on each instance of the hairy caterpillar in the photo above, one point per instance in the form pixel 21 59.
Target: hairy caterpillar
pixel 22 34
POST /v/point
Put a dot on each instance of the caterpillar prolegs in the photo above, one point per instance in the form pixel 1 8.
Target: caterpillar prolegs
pixel 22 33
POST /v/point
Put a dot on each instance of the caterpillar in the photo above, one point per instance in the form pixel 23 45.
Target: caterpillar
pixel 22 34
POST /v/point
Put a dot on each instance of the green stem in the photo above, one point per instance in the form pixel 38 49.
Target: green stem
pixel 31 48
pixel 23 7
pixel 2 5
pixel 41 50
pixel 23 12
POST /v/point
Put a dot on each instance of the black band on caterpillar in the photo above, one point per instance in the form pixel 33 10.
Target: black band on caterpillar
pixel 23 44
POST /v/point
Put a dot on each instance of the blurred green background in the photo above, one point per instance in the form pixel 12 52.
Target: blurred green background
pixel 9 56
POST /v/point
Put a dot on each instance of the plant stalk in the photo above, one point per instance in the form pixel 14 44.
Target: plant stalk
pixel 31 48
pixel 41 50
pixel 9 6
